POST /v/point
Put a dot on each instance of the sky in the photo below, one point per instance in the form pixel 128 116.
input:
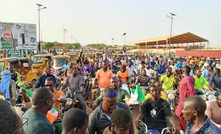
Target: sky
pixel 98 21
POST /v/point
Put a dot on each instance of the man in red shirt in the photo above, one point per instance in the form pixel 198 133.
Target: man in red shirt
pixel 4 54
pixel 186 89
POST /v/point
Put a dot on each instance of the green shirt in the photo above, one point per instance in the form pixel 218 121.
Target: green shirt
pixel 37 124
pixel 200 82
pixel 122 94
pixel 168 82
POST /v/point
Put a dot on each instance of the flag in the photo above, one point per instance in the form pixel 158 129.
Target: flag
pixel 52 114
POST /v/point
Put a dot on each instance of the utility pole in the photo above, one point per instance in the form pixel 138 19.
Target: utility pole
pixel 124 34
pixel 39 28
pixel 171 28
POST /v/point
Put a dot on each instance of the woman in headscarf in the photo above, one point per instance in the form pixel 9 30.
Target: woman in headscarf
pixel 8 87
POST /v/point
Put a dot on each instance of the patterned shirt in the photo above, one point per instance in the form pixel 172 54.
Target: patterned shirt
pixel 207 128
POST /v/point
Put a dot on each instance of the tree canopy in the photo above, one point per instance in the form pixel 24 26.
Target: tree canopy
pixel 73 46
pixel 49 45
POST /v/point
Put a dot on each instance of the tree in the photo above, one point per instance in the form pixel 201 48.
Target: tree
pixel 49 45
pixel 56 43
pixel 100 46
pixel 77 45
pixel 70 46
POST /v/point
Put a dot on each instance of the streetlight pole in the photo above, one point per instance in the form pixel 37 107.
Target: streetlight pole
pixel 64 35
pixel 71 38
pixel 124 34
pixel 112 41
pixel 39 28
pixel 171 27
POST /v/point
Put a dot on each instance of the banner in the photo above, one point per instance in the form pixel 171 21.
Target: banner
pixel 17 35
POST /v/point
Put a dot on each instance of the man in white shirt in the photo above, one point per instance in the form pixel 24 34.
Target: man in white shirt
pixel 149 72
pixel 172 66
pixel 130 69
pixel 137 61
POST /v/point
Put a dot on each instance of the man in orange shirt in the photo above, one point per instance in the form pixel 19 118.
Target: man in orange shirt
pixel 123 74
pixel 59 96
pixel 103 77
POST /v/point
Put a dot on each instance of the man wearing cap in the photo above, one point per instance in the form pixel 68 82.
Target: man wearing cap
pixel 100 118
pixel 122 94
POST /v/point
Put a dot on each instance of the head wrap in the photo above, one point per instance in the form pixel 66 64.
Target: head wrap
pixel 5 83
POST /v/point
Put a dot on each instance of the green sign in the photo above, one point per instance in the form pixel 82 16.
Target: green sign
pixel 5 44
pixel 17 53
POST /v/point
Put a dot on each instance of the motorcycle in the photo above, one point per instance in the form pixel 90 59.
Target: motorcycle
pixel 95 93
pixel 20 109
pixel 209 95
pixel 132 79
pixel 87 86
pixel 60 73
pixel 143 129
pixel 171 94
pixel 72 102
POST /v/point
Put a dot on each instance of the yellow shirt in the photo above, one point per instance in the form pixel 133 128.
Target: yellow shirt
pixel 168 82
pixel 91 60
pixel 162 95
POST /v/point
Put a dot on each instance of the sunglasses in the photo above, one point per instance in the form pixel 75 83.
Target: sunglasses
pixel 112 95
pixel 20 126
pixel 48 85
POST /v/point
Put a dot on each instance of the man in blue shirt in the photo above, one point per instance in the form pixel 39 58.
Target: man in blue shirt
pixel 160 69
pixel 152 63
pixel 197 122
pixel 43 77
pixel 215 80
pixel 179 64
pixel 65 66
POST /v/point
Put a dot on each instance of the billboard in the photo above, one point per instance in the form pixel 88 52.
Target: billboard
pixel 17 35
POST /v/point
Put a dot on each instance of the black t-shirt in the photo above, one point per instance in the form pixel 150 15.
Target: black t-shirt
pixel 93 71
pixel 155 112
pixel 14 76
pixel 143 80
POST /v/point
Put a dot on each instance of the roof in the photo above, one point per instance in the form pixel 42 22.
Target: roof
pixel 42 55
pixel 175 39
pixel 72 54
pixel 61 56
pixel 13 59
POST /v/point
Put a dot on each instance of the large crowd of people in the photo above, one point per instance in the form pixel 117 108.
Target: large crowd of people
pixel 118 85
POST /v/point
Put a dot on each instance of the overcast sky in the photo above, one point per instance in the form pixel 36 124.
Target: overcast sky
pixel 98 21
